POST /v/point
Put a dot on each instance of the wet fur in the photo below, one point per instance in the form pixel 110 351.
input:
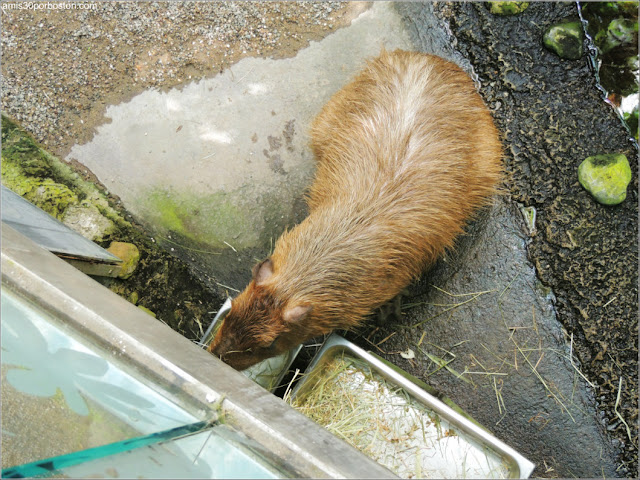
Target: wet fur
pixel 405 154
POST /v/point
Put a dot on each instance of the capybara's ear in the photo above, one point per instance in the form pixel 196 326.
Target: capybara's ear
pixel 296 314
pixel 262 271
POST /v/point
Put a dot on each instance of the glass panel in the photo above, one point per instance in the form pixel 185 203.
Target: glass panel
pixel 215 453
pixel 60 396
pixel 390 426
pixel 191 451
pixel 53 465
pixel 73 413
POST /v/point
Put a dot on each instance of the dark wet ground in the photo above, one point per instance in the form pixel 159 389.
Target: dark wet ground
pixel 553 117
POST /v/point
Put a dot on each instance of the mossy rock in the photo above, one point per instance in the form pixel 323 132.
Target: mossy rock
pixel 20 150
pixel 133 297
pixel 87 220
pixel 507 8
pixel 50 196
pixel 565 40
pixel 606 177
pixel 48 182
pixel 620 31
pixel 129 254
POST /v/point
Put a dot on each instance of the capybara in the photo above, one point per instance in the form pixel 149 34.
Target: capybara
pixel 405 154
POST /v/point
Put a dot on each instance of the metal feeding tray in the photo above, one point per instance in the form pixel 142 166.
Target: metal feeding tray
pixel 268 373
pixel 391 416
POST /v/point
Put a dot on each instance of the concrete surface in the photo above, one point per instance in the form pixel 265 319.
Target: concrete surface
pixel 217 169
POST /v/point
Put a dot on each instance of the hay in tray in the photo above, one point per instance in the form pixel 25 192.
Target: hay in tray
pixel 386 423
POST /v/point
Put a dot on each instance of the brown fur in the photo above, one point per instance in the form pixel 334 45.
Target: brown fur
pixel 405 154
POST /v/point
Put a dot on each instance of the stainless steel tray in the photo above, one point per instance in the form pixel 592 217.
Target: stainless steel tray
pixel 512 464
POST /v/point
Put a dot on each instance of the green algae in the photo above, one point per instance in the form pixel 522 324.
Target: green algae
pixel 606 177
pixel 507 8
pixel 52 197
pixel 211 221
pixel 46 181
pixel 27 171
pixel 168 213
pixel 147 311
pixel 565 40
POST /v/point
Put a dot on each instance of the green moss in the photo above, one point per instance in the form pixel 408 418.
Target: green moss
pixel 19 149
pixel 565 40
pixel 129 254
pixel 133 297
pixel 22 151
pixel 168 212
pixel 147 311
pixel 611 8
pixel 54 198
pixel 507 8
pixel 606 177
pixel 620 31
pixel 614 28
pixel 208 220
pixel 44 180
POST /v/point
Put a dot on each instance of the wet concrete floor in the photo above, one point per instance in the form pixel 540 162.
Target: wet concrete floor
pixel 217 168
